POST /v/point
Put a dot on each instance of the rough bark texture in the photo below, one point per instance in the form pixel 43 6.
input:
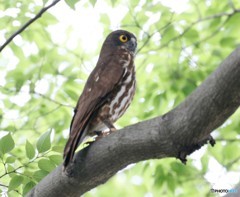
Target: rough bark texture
pixel 188 124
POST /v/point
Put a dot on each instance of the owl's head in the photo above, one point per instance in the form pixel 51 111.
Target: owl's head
pixel 121 39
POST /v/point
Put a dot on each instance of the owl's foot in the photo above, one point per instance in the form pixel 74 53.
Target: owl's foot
pixel 110 125
pixel 112 130
pixel 101 134
pixel 187 150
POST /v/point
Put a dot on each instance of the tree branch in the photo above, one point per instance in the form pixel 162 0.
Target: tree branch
pixel 165 136
pixel 39 14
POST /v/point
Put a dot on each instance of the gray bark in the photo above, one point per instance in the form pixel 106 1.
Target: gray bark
pixel 188 124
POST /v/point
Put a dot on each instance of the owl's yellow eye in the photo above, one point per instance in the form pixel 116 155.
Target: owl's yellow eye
pixel 123 38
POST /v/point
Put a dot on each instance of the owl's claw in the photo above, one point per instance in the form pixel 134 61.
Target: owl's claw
pixel 102 134
pixel 113 129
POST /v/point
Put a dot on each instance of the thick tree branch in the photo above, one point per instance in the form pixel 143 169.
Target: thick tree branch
pixel 39 14
pixel 165 136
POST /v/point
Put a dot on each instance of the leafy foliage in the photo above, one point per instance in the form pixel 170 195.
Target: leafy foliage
pixel 6 144
pixel 44 70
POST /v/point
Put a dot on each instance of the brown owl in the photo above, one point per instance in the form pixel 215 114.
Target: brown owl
pixel 108 92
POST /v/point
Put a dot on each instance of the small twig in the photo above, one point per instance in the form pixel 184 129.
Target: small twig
pixel 39 94
pixel 44 9
pixel 212 34
pixel 39 156
pixel 3 185
pixel 50 99
pixel 228 15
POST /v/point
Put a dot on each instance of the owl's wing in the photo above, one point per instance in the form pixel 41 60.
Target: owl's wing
pixel 100 84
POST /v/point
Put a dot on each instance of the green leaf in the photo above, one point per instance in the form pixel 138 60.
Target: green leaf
pixel 6 144
pixel 171 182
pixel 233 21
pixel 58 149
pixel 39 175
pixel 71 93
pixel 204 161
pixel 93 2
pixel 192 33
pixel 44 143
pixel 105 20
pixel 228 151
pixel 159 176
pixel 10 159
pixel 15 182
pixel 10 169
pixel 49 19
pixel 215 23
pixel 28 187
pixel 168 34
pixel 46 165
pixel 56 159
pixel 30 151
pixel 217 53
pixel 71 3
pixel 228 42
pixel 113 2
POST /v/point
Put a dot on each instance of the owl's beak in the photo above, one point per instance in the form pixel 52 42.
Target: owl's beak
pixel 132 45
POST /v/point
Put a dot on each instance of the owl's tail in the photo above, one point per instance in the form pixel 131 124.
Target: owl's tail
pixel 74 140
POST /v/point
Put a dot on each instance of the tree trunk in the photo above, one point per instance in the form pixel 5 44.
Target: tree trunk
pixel 175 134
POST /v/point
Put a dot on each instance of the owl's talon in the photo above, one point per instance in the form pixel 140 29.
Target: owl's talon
pixel 112 130
pixel 103 134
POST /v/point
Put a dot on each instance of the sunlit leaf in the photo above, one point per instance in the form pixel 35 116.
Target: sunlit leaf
pixel 71 3
pixel 228 42
pixel 44 143
pixel 56 159
pixel 192 34
pixel 10 159
pixel 45 164
pixel 28 187
pixel 39 175
pixel 93 2
pixel 30 151
pixel 15 182
pixel 6 144
pixel 58 149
